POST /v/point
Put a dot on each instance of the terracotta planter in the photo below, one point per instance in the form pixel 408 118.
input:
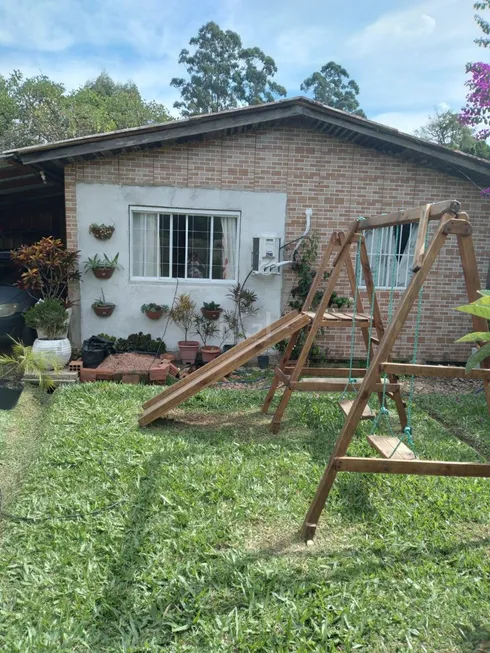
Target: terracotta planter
pixel 104 311
pixel 154 315
pixel 209 353
pixel 103 273
pixel 188 350
pixel 211 315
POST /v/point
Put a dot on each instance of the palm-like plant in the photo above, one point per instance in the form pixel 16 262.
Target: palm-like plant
pixel 481 308
pixel 23 360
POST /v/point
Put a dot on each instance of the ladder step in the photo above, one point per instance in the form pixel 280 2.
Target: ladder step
pixel 385 445
pixel 346 405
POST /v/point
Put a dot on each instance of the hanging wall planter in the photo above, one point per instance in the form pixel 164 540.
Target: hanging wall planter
pixel 211 310
pixel 103 268
pixel 101 231
pixel 102 308
pixel 155 311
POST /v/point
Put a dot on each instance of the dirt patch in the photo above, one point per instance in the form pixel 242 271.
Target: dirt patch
pixel 128 363
pixel 442 386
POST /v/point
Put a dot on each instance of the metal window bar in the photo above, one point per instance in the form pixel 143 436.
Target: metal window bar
pixel 211 236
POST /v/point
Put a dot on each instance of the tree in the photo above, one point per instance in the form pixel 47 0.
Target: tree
pixel 330 86
pixel 223 74
pixel 446 129
pixel 38 110
pixel 476 112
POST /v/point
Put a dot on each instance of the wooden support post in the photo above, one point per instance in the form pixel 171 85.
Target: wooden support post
pixel 472 281
pixel 360 402
pixel 418 255
pixel 306 306
pixel 316 324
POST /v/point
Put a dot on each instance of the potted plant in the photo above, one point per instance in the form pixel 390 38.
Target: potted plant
pixel 154 311
pixel 23 360
pixel 206 329
pixel 48 267
pixel 102 308
pixel 50 318
pixel 232 326
pixel 244 301
pixel 101 231
pixel 103 268
pixel 182 313
pixel 211 310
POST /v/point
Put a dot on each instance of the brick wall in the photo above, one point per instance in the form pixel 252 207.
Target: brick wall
pixel 339 181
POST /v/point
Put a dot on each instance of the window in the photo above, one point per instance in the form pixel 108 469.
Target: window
pixel 386 254
pixel 183 244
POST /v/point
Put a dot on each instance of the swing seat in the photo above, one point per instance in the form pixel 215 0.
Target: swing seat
pixel 346 405
pixel 386 445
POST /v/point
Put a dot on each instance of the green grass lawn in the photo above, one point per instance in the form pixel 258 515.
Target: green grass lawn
pixel 194 546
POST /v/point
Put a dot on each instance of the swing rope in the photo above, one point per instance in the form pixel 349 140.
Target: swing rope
pixel 351 378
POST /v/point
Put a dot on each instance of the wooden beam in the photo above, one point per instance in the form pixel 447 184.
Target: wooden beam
pixel 418 467
pixel 437 210
pixel 436 371
pixel 281 376
pixel 322 385
pixel 419 250
pixel 459 227
pixel 340 372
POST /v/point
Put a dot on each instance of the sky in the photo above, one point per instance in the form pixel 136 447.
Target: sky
pixel 407 56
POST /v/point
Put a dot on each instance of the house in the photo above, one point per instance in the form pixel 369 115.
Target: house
pixel 188 197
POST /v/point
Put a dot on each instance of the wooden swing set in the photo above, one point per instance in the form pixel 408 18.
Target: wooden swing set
pixel 381 375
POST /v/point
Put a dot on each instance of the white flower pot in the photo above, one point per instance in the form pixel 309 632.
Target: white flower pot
pixel 60 349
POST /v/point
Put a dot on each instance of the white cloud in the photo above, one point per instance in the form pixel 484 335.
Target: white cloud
pixel 404 121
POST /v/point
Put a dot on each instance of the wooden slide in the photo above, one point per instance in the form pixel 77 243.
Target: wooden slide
pixel 223 365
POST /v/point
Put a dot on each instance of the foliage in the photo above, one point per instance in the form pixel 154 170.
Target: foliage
pixel 182 313
pixel 38 110
pixel 49 268
pixel 96 262
pixel 476 112
pixel 101 301
pixel 330 86
pixel 222 74
pixel 138 342
pixel 447 129
pixel 23 360
pixel 244 301
pixel 154 308
pixel 50 315
pixel 203 554
pixel 205 328
pixel 101 231
pixel 211 306
pixel 304 259
pixel 481 308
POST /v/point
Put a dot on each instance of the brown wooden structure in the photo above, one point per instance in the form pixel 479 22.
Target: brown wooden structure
pixel 397 459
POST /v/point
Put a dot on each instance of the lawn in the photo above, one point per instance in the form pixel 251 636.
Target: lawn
pixel 183 536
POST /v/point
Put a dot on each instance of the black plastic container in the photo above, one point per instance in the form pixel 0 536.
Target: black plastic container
pixel 263 361
pixel 9 397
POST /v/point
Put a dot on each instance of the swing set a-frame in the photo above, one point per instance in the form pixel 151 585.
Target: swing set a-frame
pixel 381 374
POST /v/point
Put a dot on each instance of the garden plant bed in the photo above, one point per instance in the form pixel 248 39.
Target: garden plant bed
pixel 131 368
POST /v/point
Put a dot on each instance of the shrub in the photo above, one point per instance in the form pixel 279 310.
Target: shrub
pixel 49 268
pixel 49 315
pixel 139 342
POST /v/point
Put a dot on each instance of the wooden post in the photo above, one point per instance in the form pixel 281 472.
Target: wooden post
pixel 306 307
pixel 419 251
pixel 315 325
pixel 360 402
pixel 472 281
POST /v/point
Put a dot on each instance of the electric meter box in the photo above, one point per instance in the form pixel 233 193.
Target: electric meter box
pixel 265 254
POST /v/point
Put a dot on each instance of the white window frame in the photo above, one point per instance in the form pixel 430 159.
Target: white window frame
pixel 159 210
pixel 373 256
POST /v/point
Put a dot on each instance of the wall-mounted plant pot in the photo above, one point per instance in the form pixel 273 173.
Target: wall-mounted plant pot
pixel 103 273
pixel 105 310
pixel 263 361
pixel 102 232
pixel 211 315
pixel 188 350
pixel 9 396
pixel 154 315
pixel 209 353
